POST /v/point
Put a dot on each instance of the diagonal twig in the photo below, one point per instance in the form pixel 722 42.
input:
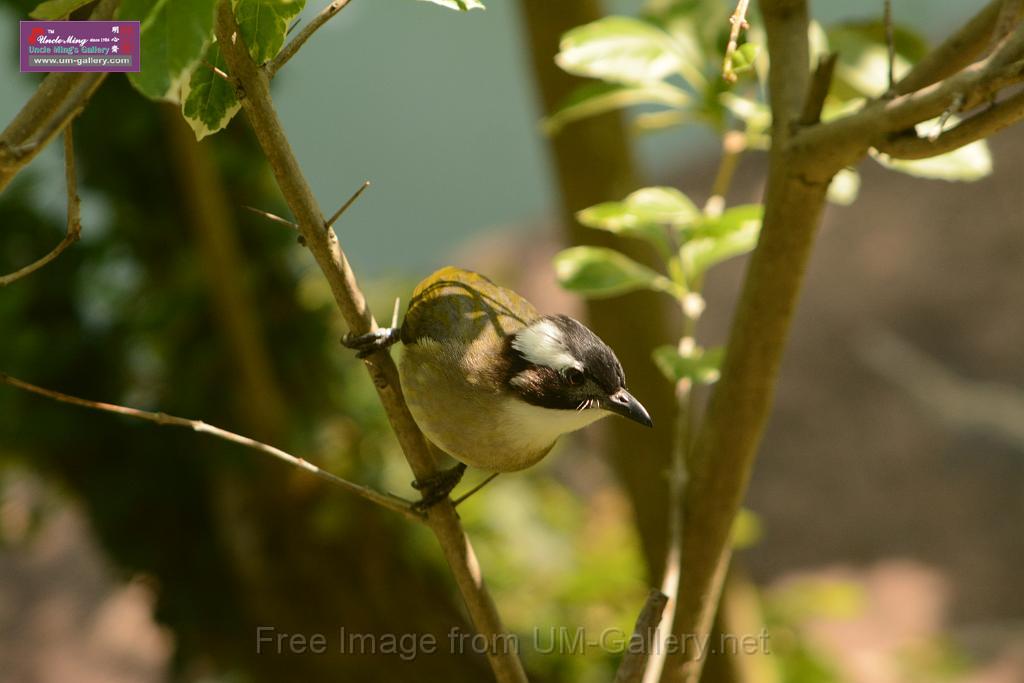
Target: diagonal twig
pixel 344 207
pixel 74 229
pixel 399 505
pixel 293 46
pixel 323 245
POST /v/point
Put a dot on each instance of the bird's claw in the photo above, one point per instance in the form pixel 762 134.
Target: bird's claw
pixel 371 342
pixel 437 486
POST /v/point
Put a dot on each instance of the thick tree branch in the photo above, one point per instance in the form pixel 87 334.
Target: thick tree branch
pixel 724 452
pixel 826 147
pixel 55 102
pixel 963 47
pixel 978 127
pixel 388 501
pixel 74 229
pixel 323 244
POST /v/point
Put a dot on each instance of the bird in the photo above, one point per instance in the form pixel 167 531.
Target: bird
pixel 492 382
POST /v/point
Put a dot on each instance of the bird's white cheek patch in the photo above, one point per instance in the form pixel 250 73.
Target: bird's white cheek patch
pixel 541 344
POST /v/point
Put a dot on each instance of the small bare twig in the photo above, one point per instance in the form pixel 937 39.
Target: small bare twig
pixel 344 207
pixel 271 217
pixel 293 46
pixel 391 502
pixel 738 19
pixel 821 82
pixel 220 74
pixel 74 229
pixel 631 669
pixel 462 499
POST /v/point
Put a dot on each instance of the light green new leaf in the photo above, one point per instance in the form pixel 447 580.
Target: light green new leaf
pixel 264 24
pixel 644 214
pixel 208 101
pixel 619 49
pixel 745 57
pixel 460 5
pixel 969 163
pixel 174 36
pixel 844 187
pixel 596 98
pixel 599 272
pixel 735 232
pixel 700 366
pixel 56 9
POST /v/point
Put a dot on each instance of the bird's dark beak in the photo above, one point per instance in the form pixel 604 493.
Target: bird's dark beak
pixel 622 403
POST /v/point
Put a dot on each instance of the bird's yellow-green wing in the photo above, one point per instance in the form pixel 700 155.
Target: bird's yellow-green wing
pixel 460 304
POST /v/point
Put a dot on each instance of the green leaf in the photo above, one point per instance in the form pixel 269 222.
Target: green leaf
pixel 56 9
pixel 598 272
pixel 208 101
pixel 644 214
pixel 863 66
pixel 844 187
pixel 969 163
pixel 715 240
pixel 700 366
pixel 174 36
pixel 460 5
pixel 596 98
pixel 264 24
pixel 619 49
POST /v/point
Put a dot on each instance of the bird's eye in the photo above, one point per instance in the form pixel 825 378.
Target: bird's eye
pixel 574 376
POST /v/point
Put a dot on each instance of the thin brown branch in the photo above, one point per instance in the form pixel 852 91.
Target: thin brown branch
pixel 74 226
pixel 323 244
pixel 399 505
pixel 631 668
pixel 961 48
pixel 59 97
pixel 821 82
pixel 738 19
pixel 977 127
pixel 293 46
pixel 344 207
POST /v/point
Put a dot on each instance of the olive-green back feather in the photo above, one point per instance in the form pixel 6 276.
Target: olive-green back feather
pixel 461 304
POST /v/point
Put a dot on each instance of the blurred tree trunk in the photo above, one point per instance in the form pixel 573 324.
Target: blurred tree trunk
pixel 593 163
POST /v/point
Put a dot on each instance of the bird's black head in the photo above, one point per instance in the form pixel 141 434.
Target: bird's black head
pixel 556 362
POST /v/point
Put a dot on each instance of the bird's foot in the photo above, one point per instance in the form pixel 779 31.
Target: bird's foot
pixel 437 486
pixel 371 342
